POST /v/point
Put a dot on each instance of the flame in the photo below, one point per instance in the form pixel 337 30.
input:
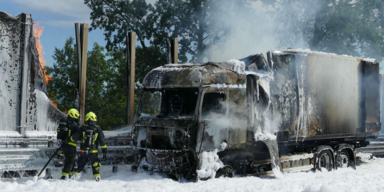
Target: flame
pixel 53 102
pixel 37 31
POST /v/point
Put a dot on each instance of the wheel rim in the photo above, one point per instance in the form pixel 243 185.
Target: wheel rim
pixel 324 161
pixel 343 160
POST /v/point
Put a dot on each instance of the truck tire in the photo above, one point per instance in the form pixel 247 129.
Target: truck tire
pixel 325 160
pixel 226 171
pixel 343 160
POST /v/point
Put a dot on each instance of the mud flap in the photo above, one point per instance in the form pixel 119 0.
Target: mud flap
pixel 275 158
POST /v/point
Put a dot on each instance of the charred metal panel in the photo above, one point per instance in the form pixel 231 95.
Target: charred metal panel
pixel 237 116
pixel 10 30
pixel 163 133
pixel 283 92
pixel 255 63
pixel 227 124
pixel 191 75
pixel 334 94
pixel 319 95
pixel 214 126
pixel 381 76
pixel 371 84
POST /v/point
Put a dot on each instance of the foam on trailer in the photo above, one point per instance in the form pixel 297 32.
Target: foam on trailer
pixel 25 110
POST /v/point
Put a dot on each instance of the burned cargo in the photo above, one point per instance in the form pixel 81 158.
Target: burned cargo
pixel 244 117
pixel 28 119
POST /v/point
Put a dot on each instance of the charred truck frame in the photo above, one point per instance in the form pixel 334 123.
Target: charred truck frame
pixel 213 119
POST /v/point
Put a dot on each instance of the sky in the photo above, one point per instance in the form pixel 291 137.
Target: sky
pixel 58 18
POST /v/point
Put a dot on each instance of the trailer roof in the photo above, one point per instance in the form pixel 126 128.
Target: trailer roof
pixel 195 74
pixel 307 51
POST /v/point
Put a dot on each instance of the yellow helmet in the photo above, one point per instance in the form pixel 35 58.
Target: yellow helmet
pixel 91 116
pixel 73 113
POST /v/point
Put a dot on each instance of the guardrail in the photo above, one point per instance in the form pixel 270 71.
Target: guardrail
pixel 375 147
pixel 25 157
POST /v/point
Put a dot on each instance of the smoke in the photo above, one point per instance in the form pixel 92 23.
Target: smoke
pixel 225 118
pixel 252 27
pixel 259 27
pixel 255 28
pixel 233 114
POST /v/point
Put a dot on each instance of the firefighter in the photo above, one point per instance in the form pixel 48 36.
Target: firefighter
pixel 65 134
pixel 91 136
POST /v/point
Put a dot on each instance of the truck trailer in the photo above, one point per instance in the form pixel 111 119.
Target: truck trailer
pixel 256 116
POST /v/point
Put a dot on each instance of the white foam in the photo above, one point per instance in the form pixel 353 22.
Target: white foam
pixel 237 66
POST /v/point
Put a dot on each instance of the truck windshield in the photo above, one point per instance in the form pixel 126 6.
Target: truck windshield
pixel 168 102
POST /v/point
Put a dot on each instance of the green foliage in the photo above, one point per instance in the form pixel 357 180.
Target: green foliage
pixel 196 23
pixel 63 88
pixel 105 87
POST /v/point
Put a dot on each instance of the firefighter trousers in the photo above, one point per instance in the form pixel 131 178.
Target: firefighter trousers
pixel 69 161
pixel 82 161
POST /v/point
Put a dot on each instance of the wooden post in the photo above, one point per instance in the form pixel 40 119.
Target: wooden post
pixel 84 49
pixel 131 51
pixel 127 73
pixel 78 49
pixel 175 51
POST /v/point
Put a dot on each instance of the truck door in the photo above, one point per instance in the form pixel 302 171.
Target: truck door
pixel 237 116
pixel 214 120
pixel 257 106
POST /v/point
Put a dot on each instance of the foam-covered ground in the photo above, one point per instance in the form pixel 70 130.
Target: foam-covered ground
pixel 368 177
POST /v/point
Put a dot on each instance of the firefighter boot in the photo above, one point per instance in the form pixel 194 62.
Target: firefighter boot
pixel 76 176
pixel 97 177
pixel 64 176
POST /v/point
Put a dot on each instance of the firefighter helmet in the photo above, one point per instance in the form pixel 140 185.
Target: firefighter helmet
pixel 73 113
pixel 91 116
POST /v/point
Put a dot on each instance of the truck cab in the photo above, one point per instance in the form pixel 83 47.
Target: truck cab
pixel 188 109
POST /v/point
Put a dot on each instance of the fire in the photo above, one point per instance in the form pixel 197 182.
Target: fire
pixel 54 103
pixel 37 31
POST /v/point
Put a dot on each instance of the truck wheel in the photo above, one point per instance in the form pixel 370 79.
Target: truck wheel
pixel 325 160
pixel 226 171
pixel 343 160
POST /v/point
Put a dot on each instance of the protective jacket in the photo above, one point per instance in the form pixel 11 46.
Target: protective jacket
pixel 91 137
pixel 66 132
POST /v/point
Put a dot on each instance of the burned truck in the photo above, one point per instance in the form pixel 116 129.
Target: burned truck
pixel 256 116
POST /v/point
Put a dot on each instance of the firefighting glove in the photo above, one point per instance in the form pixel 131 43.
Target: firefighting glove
pixel 104 156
